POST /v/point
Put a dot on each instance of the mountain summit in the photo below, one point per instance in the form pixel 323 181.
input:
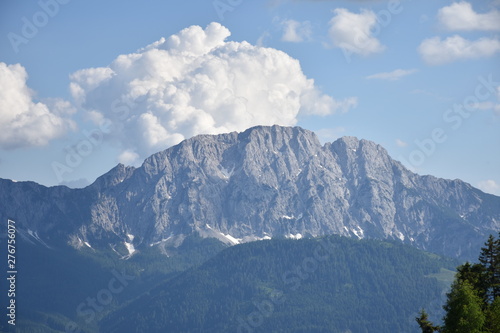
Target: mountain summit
pixel 262 183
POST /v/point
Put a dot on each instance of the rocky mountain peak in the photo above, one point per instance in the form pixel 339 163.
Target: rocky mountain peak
pixel 113 177
pixel 268 181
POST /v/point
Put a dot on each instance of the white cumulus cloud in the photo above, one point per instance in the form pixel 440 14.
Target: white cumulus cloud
pixel 196 82
pixel 392 76
pixel 294 31
pixel 461 16
pixel 25 122
pixel 435 51
pixel 353 32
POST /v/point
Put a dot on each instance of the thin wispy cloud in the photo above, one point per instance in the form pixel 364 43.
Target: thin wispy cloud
pixel 392 76
pixel 330 134
pixel 489 105
pixel 261 41
pixel 274 3
pixel 401 143
pixel 294 31
pixel 489 186
pixel 436 51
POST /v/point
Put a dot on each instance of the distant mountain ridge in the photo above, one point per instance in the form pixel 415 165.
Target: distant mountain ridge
pixel 262 183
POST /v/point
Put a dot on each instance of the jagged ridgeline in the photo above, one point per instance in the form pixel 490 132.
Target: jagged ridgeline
pixel 262 183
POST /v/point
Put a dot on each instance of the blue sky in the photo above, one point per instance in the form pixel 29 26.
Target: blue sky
pixel 87 84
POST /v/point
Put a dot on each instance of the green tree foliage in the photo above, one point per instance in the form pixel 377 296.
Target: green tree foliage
pixel 490 260
pixel 473 304
pixel 48 306
pixel 475 275
pixel 493 316
pixel 425 325
pixel 463 310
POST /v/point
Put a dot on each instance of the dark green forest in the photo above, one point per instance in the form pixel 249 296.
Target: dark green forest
pixel 53 283
pixel 329 284
pixel 333 284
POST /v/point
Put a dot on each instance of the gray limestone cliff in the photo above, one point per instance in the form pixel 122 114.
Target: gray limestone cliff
pixel 264 182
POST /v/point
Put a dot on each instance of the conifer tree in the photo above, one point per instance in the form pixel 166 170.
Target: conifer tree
pixel 493 316
pixel 464 312
pixel 496 269
pixel 473 304
pixel 490 260
pixel 425 325
pixel 476 275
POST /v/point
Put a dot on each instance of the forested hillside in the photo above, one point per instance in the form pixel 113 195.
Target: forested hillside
pixel 332 284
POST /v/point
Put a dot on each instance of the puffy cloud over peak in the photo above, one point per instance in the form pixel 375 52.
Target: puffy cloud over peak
pixel 193 40
pixel 24 121
pixel 196 41
pixel 196 82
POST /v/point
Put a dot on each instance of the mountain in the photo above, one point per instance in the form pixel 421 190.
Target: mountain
pixel 265 182
pixel 331 284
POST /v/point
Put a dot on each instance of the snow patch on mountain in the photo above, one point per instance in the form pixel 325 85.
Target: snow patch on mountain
pixel 292 236
pixel 233 240
pixel 130 248
pixel 359 232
